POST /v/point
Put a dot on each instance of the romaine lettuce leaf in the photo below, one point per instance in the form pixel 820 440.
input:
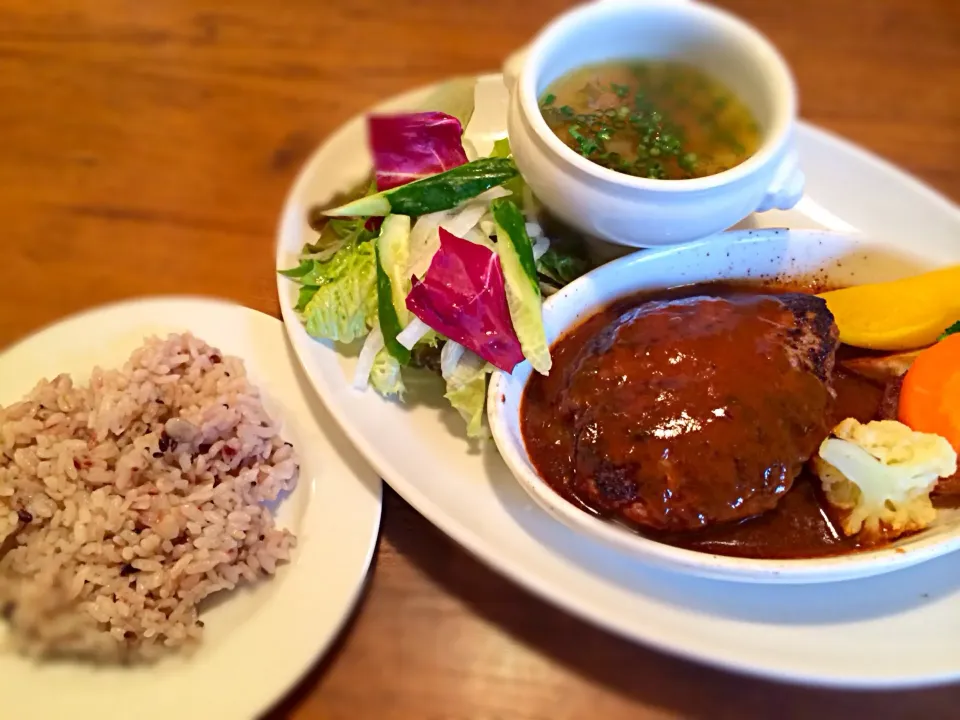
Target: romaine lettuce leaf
pixel 501 148
pixel 305 296
pixel 299 271
pixel 467 391
pixel 337 232
pixel 385 375
pixel 344 306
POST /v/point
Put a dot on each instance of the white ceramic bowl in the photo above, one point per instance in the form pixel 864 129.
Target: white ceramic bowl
pixel 637 211
pixel 754 254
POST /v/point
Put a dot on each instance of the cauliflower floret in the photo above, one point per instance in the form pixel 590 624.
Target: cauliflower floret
pixel 881 475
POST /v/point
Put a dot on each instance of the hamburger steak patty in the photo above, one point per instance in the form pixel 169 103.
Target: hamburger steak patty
pixel 692 412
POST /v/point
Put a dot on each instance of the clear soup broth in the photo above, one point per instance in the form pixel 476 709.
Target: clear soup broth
pixel 659 120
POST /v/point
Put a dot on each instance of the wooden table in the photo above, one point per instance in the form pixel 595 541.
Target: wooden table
pixel 146 148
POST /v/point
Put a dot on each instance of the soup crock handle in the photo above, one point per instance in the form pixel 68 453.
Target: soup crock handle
pixel 787 187
pixel 513 65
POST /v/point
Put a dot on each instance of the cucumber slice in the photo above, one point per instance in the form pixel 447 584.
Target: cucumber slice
pixel 522 285
pixel 435 193
pixel 393 256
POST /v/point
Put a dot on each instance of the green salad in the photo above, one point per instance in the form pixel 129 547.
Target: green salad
pixel 438 264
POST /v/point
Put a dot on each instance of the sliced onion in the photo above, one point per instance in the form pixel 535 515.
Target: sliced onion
pixel 476 236
pixel 540 245
pixel 470 149
pixel 468 215
pixel 368 354
pixel 533 229
pixel 413 333
pixel 425 237
pixel 425 241
pixel 450 356
pixel 466 368
pixel 466 219
pixel 492 194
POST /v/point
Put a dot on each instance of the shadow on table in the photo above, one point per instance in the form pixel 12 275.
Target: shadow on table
pixel 677 686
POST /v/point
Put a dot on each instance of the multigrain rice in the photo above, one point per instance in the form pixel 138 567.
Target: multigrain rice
pixel 127 501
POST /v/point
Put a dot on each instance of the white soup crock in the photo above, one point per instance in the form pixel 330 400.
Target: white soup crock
pixel 641 212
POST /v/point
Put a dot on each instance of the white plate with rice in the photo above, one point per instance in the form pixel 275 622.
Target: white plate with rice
pixel 184 531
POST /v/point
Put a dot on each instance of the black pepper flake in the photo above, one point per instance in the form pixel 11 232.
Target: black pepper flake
pixel 200 623
pixel 216 359
pixel 128 569
pixel 288 444
pixel 158 454
pixel 164 442
pixel 24 516
pixel 226 374
pixel 129 635
pixel 159 401
pixel 263 537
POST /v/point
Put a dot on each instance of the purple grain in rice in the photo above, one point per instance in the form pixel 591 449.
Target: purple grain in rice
pixel 112 529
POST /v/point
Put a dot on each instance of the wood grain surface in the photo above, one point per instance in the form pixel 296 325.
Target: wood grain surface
pixel 145 147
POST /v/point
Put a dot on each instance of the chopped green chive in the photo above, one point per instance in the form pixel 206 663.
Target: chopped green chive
pixel 649 126
pixel 688 161
pixel 587 145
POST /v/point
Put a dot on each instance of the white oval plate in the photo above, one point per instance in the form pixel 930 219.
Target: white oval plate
pixel 835 259
pixel 838 634
pixel 258 641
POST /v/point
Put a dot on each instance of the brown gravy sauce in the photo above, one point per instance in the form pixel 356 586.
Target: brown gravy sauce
pixel 800 526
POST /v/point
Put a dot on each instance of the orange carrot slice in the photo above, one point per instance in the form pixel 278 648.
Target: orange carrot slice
pixel 930 397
